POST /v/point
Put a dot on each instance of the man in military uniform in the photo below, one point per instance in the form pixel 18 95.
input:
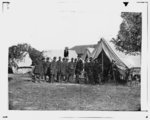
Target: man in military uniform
pixel 71 68
pixel 99 72
pixel 49 74
pixel 63 70
pixel 47 68
pixel 46 65
pixel 114 71
pixel 90 71
pixel 53 70
pixel 75 63
pixel 79 68
pixel 42 67
pixel 86 71
pixel 59 62
pixel 67 69
pixel 38 70
pixel 95 71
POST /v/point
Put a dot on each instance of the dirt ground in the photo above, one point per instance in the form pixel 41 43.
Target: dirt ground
pixel 26 95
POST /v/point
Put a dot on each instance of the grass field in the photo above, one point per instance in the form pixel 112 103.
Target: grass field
pixel 26 95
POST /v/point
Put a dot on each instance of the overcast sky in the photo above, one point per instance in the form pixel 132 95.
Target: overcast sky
pixel 54 24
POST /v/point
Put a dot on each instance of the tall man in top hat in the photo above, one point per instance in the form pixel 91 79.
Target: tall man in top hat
pixel 67 69
pixel 66 52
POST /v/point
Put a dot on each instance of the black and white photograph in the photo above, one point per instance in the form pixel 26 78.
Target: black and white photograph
pixel 75 56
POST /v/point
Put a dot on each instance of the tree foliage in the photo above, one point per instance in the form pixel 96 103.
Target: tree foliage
pixel 130 34
pixel 16 52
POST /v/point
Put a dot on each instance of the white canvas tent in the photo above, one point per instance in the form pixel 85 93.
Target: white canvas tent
pixel 121 58
pixel 103 46
pixel 87 53
pixel 59 53
pixel 25 61
pixel 23 65
pixel 129 60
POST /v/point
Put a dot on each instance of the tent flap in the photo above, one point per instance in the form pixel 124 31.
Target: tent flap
pixel 103 45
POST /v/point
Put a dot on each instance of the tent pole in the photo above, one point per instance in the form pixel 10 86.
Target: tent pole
pixel 102 66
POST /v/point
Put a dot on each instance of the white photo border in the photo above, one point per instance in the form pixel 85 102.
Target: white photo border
pixel 138 6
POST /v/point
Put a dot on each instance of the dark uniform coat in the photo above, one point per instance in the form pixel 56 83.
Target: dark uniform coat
pixel 115 72
pixel 90 71
pixel 86 72
pixel 39 68
pixel 96 71
pixel 67 68
pixel 59 66
pixel 86 67
pixel 47 67
pixel 71 68
pixel 75 63
pixel 53 68
pixel 63 68
pixel 79 67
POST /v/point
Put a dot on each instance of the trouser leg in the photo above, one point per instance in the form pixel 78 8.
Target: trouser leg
pixel 41 77
pixel 77 78
pixel 85 78
pixel 38 77
pixel 99 79
pixel 33 78
pixel 52 78
pixel 114 77
pixel 45 77
pixel 71 77
pixel 62 77
pixel 90 76
pixel 67 77
pixel 59 78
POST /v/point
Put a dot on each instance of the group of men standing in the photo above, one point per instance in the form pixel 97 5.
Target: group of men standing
pixel 62 70
pixel 57 70
pixel 96 73
pixel 93 71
